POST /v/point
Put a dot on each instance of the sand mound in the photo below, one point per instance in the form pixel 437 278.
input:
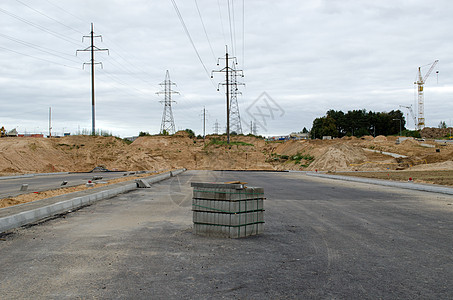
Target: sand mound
pixel 409 142
pixel 446 165
pixel 380 138
pixel 338 157
pixel 435 133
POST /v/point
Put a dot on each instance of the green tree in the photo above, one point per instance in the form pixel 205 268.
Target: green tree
pixel 358 123
pixel 144 133
pixel 190 132
pixel 442 124
pixel 324 126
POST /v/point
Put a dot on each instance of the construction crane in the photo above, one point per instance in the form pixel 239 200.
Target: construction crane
pixel 421 102
pixel 409 108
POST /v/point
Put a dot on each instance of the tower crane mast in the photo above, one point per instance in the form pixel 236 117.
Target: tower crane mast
pixel 421 102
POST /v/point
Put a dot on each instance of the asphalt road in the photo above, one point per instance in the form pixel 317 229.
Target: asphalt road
pixel 39 183
pixel 323 239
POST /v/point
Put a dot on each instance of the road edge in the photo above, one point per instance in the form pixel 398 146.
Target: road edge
pixel 403 185
pixel 33 215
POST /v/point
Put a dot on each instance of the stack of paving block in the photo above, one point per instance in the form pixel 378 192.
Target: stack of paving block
pixel 229 210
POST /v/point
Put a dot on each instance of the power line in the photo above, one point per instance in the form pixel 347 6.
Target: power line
pixel 69 13
pixel 231 30
pixel 42 28
pixel 190 38
pixel 39 48
pixel 109 45
pixel 34 57
pixel 234 25
pixel 243 33
pixel 43 14
pixel 118 80
pixel 204 28
pixel 126 69
pixel 111 84
pixel 221 22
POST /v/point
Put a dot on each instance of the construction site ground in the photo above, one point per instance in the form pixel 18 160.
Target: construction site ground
pixel 322 239
pixel 417 159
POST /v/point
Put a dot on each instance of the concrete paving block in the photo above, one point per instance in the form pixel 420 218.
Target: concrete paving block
pixel 228 231
pixel 227 206
pixel 228 219
pixel 228 194
pixel 24 187
pixel 217 185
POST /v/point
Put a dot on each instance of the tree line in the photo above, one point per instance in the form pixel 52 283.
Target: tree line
pixel 358 123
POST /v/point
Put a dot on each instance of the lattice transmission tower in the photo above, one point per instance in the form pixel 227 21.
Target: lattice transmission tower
pixel 228 70
pixel 216 127
pixel 168 123
pixel 235 116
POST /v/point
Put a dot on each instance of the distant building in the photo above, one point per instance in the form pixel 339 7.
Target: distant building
pixel 299 136
pixel 12 133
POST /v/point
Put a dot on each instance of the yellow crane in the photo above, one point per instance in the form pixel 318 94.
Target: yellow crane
pixel 421 102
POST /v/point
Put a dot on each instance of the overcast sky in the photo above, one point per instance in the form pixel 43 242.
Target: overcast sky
pixel 308 56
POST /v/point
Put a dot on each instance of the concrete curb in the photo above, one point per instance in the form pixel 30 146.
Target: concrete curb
pixel 31 175
pixel 397 184
pixel 33 215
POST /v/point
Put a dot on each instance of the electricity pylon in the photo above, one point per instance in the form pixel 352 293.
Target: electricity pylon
pixel 168 123
pixel 228 71
pixel 235 116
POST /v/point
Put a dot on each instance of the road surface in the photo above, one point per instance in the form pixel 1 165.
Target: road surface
pixel 323 239
pixel 11 187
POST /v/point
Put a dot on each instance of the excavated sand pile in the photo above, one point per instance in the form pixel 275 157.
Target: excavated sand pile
pixel 83 153
pixel 339 157
pixel 435 133
pixel 380 138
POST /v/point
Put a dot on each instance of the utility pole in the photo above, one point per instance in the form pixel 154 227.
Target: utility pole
pixel 204 123
pixel 50 122
pixel 168 123
pixel 92 62
pixel 227 70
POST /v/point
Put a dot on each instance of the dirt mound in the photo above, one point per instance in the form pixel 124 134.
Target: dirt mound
pixel 83 153
pixel 435 133
pixel 410 143
pixel 446 165
pixel 367 137
pixel 380 138
pixel 338 157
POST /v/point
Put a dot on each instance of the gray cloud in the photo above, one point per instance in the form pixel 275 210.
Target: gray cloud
pixel 310 56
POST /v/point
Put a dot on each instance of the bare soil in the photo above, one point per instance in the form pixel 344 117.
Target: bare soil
pixel 83 153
